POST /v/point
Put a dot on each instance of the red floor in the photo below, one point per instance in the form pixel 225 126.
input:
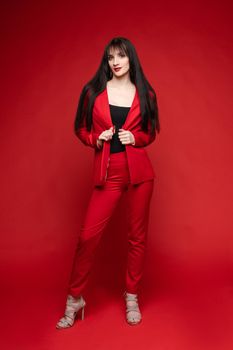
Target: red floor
pixel 178 320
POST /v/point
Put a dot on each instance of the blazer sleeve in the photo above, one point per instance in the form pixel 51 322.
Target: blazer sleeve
pixel 143 138
pixel 88 138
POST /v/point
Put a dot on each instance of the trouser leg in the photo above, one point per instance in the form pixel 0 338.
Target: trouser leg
pixel 101 206
pixel 139 198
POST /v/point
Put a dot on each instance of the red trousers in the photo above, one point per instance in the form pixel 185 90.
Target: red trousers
pixel 101 206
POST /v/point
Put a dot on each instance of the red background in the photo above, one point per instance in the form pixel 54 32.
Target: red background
pixel 49 51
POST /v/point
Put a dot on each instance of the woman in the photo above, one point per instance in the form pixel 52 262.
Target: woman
pixel 117 116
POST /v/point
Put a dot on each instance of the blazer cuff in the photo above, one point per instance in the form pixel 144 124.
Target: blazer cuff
pixel 142 139
pixel 95 137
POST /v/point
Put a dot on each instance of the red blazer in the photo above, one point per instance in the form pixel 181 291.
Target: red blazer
pixel 140 167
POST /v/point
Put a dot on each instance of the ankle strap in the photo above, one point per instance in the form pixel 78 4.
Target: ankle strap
pixel 130 297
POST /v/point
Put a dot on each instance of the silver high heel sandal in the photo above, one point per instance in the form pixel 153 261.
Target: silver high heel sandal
pixel 133 314
pixel 72 307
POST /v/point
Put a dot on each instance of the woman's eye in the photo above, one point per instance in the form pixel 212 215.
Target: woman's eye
pixel 120 54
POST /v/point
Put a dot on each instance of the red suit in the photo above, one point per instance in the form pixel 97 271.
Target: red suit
pixel 115 173
pixel 140 167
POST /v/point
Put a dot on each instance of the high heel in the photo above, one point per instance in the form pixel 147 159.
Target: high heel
pixel 133 314
pixel 73 305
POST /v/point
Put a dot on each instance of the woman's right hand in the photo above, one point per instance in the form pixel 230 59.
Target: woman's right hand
pixel 106 135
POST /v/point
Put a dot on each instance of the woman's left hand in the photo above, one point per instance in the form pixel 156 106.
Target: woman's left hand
pixel 126 137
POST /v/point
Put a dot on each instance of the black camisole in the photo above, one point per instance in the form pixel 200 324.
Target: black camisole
pixel 118 115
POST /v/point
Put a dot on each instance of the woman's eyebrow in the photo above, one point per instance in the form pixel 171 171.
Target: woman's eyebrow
pixel 119 52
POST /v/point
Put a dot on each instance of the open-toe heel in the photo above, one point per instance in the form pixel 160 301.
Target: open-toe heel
pixel 133 314
pixel 73 305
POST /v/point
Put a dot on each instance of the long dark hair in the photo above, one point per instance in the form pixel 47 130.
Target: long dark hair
pixel 147 95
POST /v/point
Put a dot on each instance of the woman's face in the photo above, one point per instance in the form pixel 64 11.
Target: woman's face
pixel 117 58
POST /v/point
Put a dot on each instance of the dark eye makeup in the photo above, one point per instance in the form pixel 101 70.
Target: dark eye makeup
pixel 122 54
